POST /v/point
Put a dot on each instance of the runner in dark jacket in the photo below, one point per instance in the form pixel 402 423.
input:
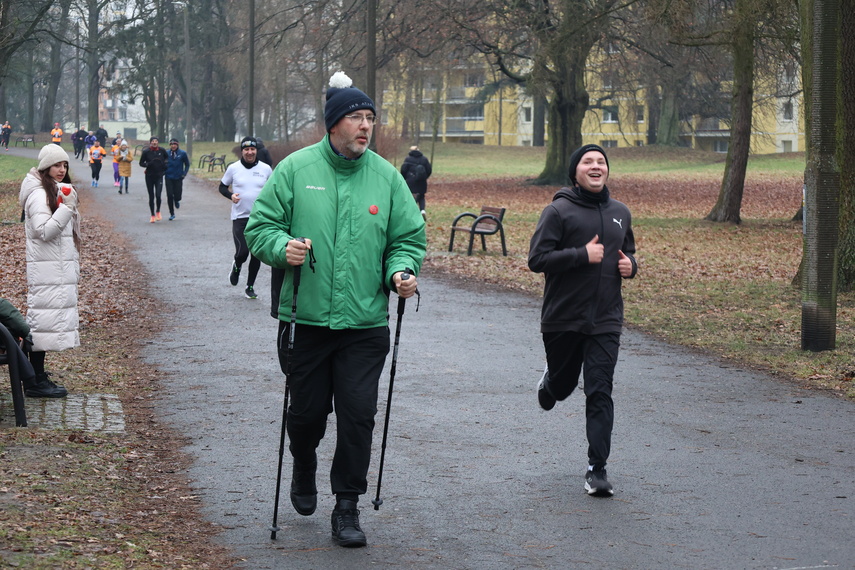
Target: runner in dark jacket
pixel 153 159
pixel 585 246
pixel 416 169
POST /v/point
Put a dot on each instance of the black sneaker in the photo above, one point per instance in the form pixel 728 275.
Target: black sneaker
pixel 177 203
pixel 304 493
pixel 44 388
pixel 250 292
pixel 544 398
pixel 345 525
pixel 597 483
pixel 234 274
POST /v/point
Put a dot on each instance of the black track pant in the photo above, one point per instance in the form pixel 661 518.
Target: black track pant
pixel 96 169
pixel 568 354
pixel 338 368
pixel 174 187
pixel 242 250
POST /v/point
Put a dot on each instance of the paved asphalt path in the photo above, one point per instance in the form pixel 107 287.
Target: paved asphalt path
pixel 714 466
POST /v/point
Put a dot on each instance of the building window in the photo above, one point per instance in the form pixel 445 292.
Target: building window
pixel 608 80
pixel 526 114
pixel 608 144
pixel 111 114
pixel 474 80
pixel 786 146
pixel 787 111
pixel 639 143
pixel 610 115
pixel 639 114
pixel 720 146
pixel 474 112
pixel 526 142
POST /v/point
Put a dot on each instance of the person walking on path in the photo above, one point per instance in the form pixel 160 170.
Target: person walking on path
pixel 126 160
pixel 96 157
pixel 247 177
pixel 114 152
pixel 101 135
pixel 360 223
pixel 5 133
pixel 52 228
pixel 416 170
pixel 78 141
pixel 585 245
pixel 56 134
pixel 177 167
pixel 153 160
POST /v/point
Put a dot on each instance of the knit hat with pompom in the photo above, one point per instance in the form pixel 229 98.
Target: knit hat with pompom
pixel 343 98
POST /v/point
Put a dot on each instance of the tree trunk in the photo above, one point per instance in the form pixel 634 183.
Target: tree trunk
pixel 846 149
pixel 729 204
pixel 822 181
pixel 55 73
pixel 538 118
pixel 93 64
pixel 566 111
pixel 668 133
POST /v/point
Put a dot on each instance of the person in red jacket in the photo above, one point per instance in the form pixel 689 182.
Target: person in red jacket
pixel 585 246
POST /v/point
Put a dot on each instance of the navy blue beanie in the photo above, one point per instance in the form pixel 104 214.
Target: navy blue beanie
pixel 577 155
pixel 343 98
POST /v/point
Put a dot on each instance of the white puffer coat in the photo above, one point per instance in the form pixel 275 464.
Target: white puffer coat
pixel 53 269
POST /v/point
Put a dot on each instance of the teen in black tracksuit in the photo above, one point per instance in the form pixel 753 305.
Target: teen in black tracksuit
pixel 584 244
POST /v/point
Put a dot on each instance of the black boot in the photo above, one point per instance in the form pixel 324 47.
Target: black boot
pixel 44 388
pixel 304 493
pixel 345 525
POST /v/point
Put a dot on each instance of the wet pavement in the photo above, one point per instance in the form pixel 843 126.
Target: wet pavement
pixel 714 466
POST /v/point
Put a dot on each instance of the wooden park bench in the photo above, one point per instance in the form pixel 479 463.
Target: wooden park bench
pixel 487 223
pixel 26 139
pixel 205 159
pixel 7 342
pixel 217 161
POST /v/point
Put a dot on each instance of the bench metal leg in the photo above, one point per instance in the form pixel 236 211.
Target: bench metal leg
pixel 471 241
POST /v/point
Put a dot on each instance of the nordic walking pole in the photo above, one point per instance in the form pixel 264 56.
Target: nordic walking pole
pixel 297 270
pixel 401 304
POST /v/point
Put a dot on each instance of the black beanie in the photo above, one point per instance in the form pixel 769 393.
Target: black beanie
pixel 343 98
pixel 577 156
pixel 248 141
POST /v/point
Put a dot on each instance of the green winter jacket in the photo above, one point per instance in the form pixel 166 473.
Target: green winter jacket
pixel 364 226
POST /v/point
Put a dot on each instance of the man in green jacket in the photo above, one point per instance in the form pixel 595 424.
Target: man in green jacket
pixel 362 231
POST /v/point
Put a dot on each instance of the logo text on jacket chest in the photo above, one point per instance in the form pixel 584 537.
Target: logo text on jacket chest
pixel 310 187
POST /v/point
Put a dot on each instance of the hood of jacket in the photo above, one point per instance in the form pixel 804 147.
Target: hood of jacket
pixel 32 182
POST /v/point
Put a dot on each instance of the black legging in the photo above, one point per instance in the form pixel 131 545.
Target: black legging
pixel 242 251
pixel 154 185
pixel 96 169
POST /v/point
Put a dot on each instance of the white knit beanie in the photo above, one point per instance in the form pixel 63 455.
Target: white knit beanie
pixel 50 155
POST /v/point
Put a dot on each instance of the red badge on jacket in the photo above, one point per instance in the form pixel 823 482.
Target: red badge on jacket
pixel 373 209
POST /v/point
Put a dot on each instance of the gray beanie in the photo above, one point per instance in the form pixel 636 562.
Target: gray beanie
pixel 50 155
pixel 343 98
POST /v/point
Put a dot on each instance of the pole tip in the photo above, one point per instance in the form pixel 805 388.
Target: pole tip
pixel 377 502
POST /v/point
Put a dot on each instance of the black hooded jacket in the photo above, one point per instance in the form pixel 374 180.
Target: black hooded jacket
pixel 415 157
pixel 579 296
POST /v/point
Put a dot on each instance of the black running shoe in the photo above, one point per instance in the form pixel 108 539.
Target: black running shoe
pixel 544 398
pixel 234 274
pixel 345 525
pixel 250 292
pixel 597 483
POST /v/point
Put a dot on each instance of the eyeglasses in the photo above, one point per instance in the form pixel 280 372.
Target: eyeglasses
pixel 357 119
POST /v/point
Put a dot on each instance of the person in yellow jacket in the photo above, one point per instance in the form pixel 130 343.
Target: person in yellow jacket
pixel 56 134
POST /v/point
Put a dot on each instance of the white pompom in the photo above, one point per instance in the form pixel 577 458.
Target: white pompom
pixel 340 80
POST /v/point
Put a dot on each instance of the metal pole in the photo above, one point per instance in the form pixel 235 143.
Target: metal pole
pixel 188 91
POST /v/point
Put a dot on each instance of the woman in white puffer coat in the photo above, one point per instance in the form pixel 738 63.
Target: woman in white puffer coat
pixel 53 263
